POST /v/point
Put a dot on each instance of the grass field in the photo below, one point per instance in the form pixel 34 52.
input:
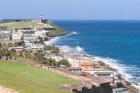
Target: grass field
pixel 27 79
pixel 19 25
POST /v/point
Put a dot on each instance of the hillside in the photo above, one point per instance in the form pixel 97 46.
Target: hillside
pixel 56 31
pixel 27 79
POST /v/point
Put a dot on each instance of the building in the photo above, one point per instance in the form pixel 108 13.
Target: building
pixel 34 47
pixel 94 69
pixel 120 90
pixel 87 65
pixel 5 33
pixel 3 28
pixel 17 35
pixel 41 33
pixel 29 35
pixel 54 57
pixel 75 70
pixel 18 49
pixel 37 47
pixel 101 73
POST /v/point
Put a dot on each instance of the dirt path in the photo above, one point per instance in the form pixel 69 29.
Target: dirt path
pixel 6 90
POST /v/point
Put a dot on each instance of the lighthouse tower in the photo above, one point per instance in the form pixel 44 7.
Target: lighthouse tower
pixel 41 18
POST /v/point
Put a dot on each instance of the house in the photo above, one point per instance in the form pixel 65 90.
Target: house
pixel 17 35
pixel 87 65
pixel 102 73
pixel 93 69
pixel 41 33
pixel 18 49
pixel 57 58
pixel 75 70
pixel 37 47
pixel 34 47
pixel 5 33
pixel 29 35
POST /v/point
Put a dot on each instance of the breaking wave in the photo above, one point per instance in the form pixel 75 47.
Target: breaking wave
pixel 52 41
pixel 131 73
pixel 127 71
pixel 75 33
pixel 68 48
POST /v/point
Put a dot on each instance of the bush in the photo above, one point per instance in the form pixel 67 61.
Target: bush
pixel 53 49
pixel 63 62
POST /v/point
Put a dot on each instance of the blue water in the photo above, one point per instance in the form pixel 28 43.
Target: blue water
pixel 119 40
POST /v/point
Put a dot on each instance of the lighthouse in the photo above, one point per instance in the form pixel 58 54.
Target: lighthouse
pixel 41 18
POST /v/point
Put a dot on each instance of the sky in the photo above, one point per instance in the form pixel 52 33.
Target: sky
pixel 71 9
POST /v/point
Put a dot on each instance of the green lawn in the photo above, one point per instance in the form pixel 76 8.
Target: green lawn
pixel 27 79
pixel 19 25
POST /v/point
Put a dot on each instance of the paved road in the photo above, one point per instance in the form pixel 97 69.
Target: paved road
pixel 6 90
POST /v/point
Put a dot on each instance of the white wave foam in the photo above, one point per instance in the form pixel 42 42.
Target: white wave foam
pixel 65 48
pixel 72 33
pixel 52 41
pixel 75 33
pixel 122 69
pixel 79 49
pixel 68 48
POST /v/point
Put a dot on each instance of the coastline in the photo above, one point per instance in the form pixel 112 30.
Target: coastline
pixel 65 51
pixel 54 39
pixel 112 63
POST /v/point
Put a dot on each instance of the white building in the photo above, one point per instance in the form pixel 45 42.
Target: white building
pixel 34 47
pixel 29 36
pixel 5 34
pixel 41 33
pixel 17 35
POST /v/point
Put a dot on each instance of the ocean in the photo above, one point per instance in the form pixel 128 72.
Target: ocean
pixel 115 42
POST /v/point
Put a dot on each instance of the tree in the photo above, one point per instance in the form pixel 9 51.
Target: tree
pixel 27 54
pixel 13 54
pixel 53 49
pixel 6 53
pixel 10 44
pixel 1 54
pixel 40 40
pixel 39 56
pixel 0 45
pixel 52 62
pixel 64 63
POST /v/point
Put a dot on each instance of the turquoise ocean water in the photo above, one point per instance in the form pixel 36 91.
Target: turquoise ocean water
pixel 115 42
